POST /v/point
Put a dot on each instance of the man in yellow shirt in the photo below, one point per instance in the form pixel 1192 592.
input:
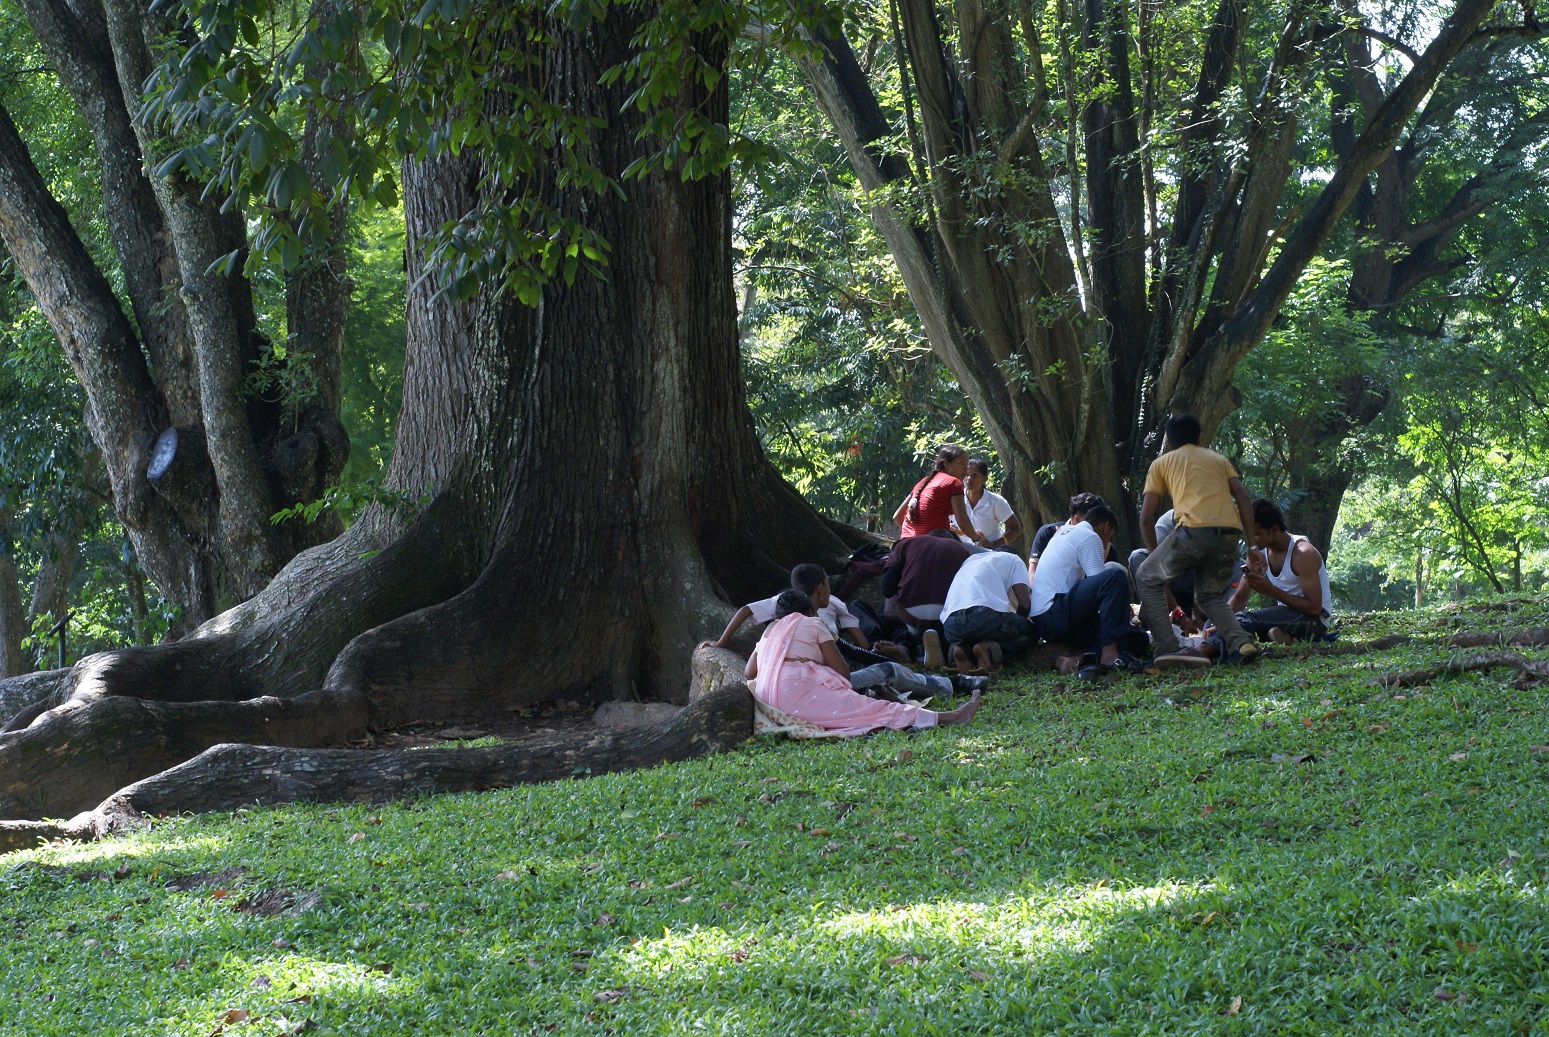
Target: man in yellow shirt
pixel 1211 512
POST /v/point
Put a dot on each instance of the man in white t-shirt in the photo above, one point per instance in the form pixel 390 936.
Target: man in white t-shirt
pixel 978 617
pixel 1078 599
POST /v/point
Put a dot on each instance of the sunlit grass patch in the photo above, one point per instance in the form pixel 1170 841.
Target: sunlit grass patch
pixel 1295 850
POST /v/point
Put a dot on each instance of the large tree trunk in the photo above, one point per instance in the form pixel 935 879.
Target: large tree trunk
pixel 599 495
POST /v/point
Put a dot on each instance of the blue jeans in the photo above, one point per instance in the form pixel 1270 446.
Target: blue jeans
pixel 969 626
pixel 899 678
pixel 1093 613
pixel 1299 625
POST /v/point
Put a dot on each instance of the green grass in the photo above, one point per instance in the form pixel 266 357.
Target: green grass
pixel 1083 861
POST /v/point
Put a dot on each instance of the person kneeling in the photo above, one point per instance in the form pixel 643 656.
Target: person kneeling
pixel 1078 599
pixel 977 616
pixel 797 671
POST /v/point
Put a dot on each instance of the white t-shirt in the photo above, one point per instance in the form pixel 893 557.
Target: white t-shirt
pixel 985 579
pixel 1074 552
pixel 835 615
pixel 1164 525
pixel 989 516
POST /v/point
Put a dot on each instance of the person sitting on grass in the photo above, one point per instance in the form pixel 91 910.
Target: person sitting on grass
pixel 1286 567
pixel 812 581
pixel 1079 599
pixel 978 619
pixel 918 574
pixel 1080 504
pixel 797 673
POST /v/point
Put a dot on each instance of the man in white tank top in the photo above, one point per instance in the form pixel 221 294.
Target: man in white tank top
pixel 1286 567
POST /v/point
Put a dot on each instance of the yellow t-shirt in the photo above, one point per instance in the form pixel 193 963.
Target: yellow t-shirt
pixel 1197 481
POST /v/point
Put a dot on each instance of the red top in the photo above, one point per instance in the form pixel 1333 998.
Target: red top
pixel 935 505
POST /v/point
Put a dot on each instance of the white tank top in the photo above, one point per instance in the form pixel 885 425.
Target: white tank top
pixel 1289 582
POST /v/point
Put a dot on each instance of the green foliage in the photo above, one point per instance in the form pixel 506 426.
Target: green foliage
pixel 417 81
pixel 849 401
pixel 1299 852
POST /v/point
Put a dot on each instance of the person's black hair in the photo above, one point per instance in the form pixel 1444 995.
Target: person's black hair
pixel 946 454
pixel 793 601
pixel 1100 515
pixel 1267 514
pixel 808 577
pixel 946 533
pixel 980 465
pixel 1183 429
pixel 1084 502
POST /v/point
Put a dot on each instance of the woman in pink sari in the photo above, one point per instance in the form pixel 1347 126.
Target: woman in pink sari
pixel 797 670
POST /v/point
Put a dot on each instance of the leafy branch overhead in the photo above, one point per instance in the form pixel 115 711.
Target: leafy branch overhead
pixel 426 82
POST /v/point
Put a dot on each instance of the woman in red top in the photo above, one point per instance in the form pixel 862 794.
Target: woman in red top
pixel 937 498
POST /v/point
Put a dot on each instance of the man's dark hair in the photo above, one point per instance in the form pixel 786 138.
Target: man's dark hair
pixel 1101 515
pixel 793 601
pixel 1084 502
pixel 808 577
pixel 1183 429
pixel 1267 514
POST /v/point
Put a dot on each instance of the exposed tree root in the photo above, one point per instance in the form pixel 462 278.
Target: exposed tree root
pixel 76 754
pixel 1483 661
pixel 1527 637
pixel 225 777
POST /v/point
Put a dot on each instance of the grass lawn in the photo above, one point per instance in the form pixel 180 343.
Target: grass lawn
pixel 1287 849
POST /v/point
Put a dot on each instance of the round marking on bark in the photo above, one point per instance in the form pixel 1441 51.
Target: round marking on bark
pixel 162 454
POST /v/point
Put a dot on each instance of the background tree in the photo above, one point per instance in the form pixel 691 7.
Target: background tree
pixel 1097 210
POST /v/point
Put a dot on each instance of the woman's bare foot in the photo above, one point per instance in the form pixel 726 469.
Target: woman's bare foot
pixel 963 714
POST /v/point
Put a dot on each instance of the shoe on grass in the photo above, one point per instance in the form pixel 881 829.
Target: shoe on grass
pixel 1187 659
pixel 965 685
pixel 1092 670
pixel 1247 654
pixel 1280 637
pixel 933 658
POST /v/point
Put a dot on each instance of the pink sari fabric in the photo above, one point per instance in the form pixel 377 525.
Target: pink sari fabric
pixel 816 694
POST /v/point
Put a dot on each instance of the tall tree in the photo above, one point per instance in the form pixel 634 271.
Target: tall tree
pixel 197 462
pixel 1095 219
pixel 595 487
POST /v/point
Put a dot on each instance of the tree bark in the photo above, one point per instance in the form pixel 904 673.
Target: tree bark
pixel 14 625
pixel 597 495
pixel 229 776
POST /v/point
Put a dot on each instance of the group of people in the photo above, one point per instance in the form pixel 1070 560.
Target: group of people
pixel 955 588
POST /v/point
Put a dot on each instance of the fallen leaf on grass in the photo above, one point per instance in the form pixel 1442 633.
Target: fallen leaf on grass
pixel 740 843
pixel 685 880
pixel 606 919
pixel 1235 1006
pixel 817 831
pixel 1455 757
pixel 1443 994
pixel 608 997
pixel 1538 748
pixel 235 1015
pixel 1376 729
pixel 1306 721
pixel 1206 810
pixel 978 977
pixel 357 837
pixel 900 959
pixel 505 876
pixel 905 754
pixel 1468 947
pixel 905 837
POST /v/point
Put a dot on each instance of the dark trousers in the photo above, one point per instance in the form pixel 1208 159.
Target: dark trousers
pixel 1299 625
pixel 969 626
pixel 1093 613
pixel 1210 553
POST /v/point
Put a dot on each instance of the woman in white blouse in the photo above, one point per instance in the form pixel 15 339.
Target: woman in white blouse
pixel 991 513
